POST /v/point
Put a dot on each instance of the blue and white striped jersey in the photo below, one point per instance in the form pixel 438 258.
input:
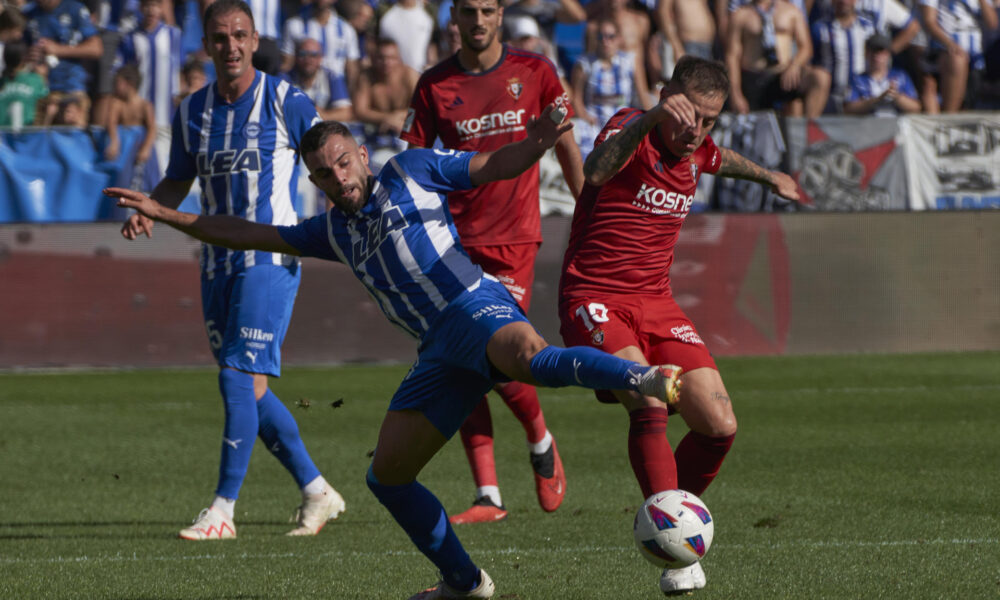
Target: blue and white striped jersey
pixel 266 17
pixel 609 87
pixel 402 244
pixel 158 56
pixel 841 51
pixel 337 37
pixel 328 90
pixel 245 156
pixel 888 16
pixel 962 21
pixel 865 86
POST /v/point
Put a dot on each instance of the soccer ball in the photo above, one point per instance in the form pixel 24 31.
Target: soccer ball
pixel 673 529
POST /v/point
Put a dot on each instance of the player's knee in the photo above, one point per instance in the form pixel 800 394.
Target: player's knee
pixel 233 382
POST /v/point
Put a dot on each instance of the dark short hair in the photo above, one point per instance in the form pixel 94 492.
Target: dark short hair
pixel 130 73
pixel 316 137
pixel 701 76
pixel 221 7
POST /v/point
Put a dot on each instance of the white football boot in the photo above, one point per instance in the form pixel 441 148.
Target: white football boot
pixel 662 381
pixel 675 582
pixel 211 524
pixel 316 510
pixel 483 591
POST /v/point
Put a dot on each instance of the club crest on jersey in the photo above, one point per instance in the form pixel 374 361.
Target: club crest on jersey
pixel 251 131
pixel 514 87
pixel 597 336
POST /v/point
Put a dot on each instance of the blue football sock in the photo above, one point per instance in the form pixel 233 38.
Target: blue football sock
pixel 280 433
pixel 239 432
pixel 421 515
pixel 586 367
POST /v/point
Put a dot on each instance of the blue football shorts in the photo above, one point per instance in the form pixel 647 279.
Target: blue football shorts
pixel 452 371
pixel 247 315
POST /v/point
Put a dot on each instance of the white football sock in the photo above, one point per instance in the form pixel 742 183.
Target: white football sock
pixel 542 446
pixel 316 486
pixel 226 505
pixel 489 490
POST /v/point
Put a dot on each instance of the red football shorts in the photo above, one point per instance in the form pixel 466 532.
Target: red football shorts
pixel 654 324
pixel 513 265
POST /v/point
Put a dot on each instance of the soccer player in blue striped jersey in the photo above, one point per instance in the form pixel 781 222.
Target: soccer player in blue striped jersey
pixel 397 235
pixel 240 137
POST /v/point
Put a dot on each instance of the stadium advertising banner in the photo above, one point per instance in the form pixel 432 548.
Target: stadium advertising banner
pixel 953 161
pixel 847 164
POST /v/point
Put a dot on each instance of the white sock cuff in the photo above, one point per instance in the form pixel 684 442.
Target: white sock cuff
pixel 542 446
pixel 316 486
pixel 226 505
pixel 489 490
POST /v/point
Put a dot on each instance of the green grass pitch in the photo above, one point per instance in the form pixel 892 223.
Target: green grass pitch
pixel 851 477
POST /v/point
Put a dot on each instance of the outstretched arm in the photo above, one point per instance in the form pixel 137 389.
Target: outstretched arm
pixel 610 156
pixel 515 158
pixel 740 167
pixel 219 230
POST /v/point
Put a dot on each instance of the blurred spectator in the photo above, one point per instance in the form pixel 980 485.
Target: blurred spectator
pixel 60 33
pixel 890 17
pixel 20 87
pixel 193 78
pixel 129 109
pixel 683 27
pixel 523 33
pixel 409 23
pixel 337 38
pixel 633 29
pixel 384 93
pixel 768 58
pixel 451 40
pixel 267 21
pixel 546 13
pixel 11 27
pixel 602 83
pixel 326 89
pixel 71 111
pixel 724 9
pixel 839 49
pixel 113 18
pixel 361 16
pixel 155 48
pixel 881 90
pixel 955 56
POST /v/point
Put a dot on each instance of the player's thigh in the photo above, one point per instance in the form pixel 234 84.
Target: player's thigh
pixel 704 403
pixel 607 323
pixel 259 308
pixel 407 441
pixel 444 393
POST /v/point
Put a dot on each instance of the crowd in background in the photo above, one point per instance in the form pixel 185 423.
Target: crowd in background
pixel 129 62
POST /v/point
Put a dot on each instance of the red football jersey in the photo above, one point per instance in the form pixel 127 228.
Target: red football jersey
pixel 481 112
pixel 623 235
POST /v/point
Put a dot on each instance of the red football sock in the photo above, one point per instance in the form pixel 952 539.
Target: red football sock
pixel 523 402
pixel 698 460
pixel 477 438
pixel 649 451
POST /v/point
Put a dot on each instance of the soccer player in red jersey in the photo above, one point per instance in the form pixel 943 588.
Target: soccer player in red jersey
pixel 615 289
pixel 480 98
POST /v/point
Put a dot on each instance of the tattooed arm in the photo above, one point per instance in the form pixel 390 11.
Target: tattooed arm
pixel 611 155
pixel 740 167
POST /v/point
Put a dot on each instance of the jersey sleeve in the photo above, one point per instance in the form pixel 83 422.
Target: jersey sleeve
pixel 419 128
pixel 339 96
pixel 897 15
pixel 906 86
pixel 300 115
pixel 709 156
pixel 182 165
pixel 856 89
pixel 436 170
pixel 552 89
pixel 619 121
pixel 310 237
pixel 83 23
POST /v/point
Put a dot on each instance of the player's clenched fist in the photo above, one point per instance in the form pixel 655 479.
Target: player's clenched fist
pixel 678 107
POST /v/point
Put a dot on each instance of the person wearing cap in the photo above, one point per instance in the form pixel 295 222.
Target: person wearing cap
pixel 524 33
pixel 881 90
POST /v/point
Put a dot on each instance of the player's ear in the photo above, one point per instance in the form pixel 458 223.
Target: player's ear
pixel 363 151
pixel 256 40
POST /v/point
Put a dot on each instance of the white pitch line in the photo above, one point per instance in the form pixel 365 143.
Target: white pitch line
pixel 819 545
